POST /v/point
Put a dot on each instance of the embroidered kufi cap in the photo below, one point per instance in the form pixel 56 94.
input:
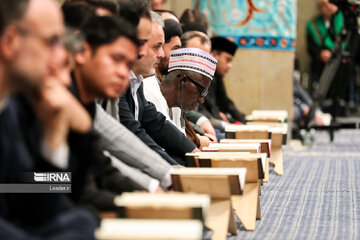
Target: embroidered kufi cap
pixel 193 59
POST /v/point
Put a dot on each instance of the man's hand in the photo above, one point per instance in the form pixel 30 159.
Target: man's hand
pixel 159 190
pixel 196 150
pixel 50 109
pixel 325 55
pixel 212 138
pixel 59 111
pixel 204 141
pixel 223 117
pixel 208 128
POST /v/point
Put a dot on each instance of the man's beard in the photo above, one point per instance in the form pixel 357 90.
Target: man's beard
pixel 23 83
pixel 163 68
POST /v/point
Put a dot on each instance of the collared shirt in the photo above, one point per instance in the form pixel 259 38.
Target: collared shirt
pixel 153 94
pixel 3 102
pixel 135 82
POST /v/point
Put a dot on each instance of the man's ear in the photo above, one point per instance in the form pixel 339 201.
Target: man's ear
pixel 215 54
pixel 180 82
pixel 10 42
pixel 85 55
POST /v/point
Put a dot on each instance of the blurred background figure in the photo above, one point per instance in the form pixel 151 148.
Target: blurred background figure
pixel 321 34
pixel 158 4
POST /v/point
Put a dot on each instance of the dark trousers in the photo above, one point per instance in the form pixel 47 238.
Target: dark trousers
pixel 74 224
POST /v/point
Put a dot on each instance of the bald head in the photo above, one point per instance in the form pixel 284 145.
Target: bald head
pixel 40 31
pixel 196 42
pixel 196 39
pixel 42 14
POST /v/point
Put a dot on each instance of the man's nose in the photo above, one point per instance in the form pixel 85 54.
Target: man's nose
pixel 161 53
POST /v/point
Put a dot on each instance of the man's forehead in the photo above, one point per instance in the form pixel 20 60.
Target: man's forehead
pixel 157 35
pixel 44 16
pixel 195 42
pixel 174 41
pixel 121 44
pixel 144 29
pixel 205 81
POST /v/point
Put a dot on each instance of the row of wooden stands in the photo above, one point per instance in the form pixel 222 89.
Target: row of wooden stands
pixel 156 216
pixel 263 125
pixel 180 215
pixel 221 182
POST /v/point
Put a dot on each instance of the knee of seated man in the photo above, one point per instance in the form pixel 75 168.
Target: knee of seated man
pixel 81 221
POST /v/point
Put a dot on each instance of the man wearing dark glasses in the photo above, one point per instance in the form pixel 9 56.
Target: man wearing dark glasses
pixel 190 73
pixel 141 117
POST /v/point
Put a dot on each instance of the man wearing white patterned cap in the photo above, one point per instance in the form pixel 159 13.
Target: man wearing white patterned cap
pixel 142 118
pixel 190 73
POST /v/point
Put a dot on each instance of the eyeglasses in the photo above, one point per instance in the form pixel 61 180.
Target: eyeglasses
pixel 204 90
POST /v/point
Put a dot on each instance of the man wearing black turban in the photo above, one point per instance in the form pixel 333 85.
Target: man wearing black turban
pixel 218 106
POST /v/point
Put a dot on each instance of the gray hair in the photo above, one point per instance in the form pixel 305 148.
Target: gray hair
pixel 192 34
pixel 156 18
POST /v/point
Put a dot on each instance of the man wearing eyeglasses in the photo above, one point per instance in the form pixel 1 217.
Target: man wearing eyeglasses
pixel 141 116
pixel 190 73
pixel 34 126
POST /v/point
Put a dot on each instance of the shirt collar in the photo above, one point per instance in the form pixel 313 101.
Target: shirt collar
pixel 135 79
pixel 3 103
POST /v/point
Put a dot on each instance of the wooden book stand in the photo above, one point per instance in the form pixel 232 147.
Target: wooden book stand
pixel 248 147
pixel 279 116
pixel 179 206
pixel 265 147
pixel 145 229
pixel 278 138
pixel 247 132
pixel 221 184
pixel 247 206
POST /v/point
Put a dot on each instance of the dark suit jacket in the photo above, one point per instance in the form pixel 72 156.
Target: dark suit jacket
pixel 86 147
pixel 153 128
pixel 20 140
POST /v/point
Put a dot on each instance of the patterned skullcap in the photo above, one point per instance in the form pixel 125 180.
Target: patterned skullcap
pixel 193 59
pixel 223 44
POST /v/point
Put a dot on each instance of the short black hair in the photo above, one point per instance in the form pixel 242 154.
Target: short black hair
pixel 129 14
pixel 111 5
pixel 76 14
pixel 160 11
pixel 103 30
pixel 140 7
pixel 222 44
pixel 10 11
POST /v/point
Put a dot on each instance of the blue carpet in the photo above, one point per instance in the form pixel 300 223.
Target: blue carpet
pixel 319 195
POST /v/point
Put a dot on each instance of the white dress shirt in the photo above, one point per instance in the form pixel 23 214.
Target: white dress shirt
pixel 135 82
pixel 153 94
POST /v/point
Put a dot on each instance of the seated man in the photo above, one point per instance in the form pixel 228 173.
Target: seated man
pixel 184 64
pixel 218 106
pixel 152 93
pixel 33 138
pixel 196 38
pixel 141 116
pixel 321 35
pixel 152 89
pixel 102 71
pixel 130 155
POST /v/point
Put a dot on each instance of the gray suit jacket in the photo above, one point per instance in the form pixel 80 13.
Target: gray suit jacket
pixel 124 145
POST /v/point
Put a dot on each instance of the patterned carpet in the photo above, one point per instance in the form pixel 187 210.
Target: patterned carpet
pixel 319 195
